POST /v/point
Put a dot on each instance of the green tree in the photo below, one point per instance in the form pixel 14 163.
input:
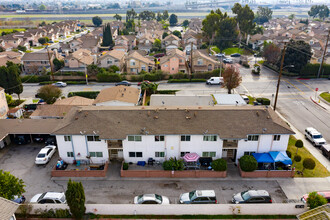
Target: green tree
pixel 97 21
pixel 308 163
pixel 58 64
pixel 107 36
pixel 93 70
pixel 231 78
pixel 185 23
pixel 292 16
pixel 43 40
pixel 9 99
pixel 117 17
pixel 299 144
pixel 226 34
pixel 165 15
pixel 271 53
pixel 14 81
pixel 75 197
pixel 157 45
pixel 211 25
pixel 21 48
pixel 177 33
pixel 49 93
pixel 245 19
pixel 130 15
pixel 264 14
pixel 173 19
pixel 151 88
pixel 165 34
pixel 147 15
pixel 159 16
pixel 315 200
pixel 10 185
pixel 298 54
pixel 42 7
pixel 321 11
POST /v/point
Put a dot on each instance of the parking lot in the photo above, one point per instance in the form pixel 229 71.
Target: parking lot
pixel 19 160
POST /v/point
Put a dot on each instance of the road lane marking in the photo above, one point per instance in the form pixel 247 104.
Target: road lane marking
pixel 305 85
pixel 294 86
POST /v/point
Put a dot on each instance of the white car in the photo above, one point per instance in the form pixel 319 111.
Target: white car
pixel 151 199
pixel 45 154
pixel 59 84
pixel 314 136
pixel 49 197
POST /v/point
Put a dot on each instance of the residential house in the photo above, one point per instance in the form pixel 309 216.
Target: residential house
pixel 118 96
pixel 174 62
pixel 88 42
pixel 75 101
pixel 138 133
pixel 78 61
pixel 171 42
pixel 15 113
pixel 203 63
pixel 195 24
pixel 128 42
pixel 190 38
pixel 3 104
pixel 51 111
pixel 35 62
pixel 10 41
pixel 145 43
pixel 135 63
pixel 113 57
pixel 10 56
pixel 167 100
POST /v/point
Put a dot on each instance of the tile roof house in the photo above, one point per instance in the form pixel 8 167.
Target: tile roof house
pixel 11 56
pixel 113 57
pixel 51 111
pixel 145 42
pixel 135 63
pixel 202 62
pixel 174 62
pixel 118 96
pixel 15 113
pixel 3 104
pixel 35 62
pixel 75 101
pixel 171 42
pixel 78 60
pixel 88 42
pixel 128 42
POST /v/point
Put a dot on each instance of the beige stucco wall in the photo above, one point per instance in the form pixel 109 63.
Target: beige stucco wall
pixel 3 105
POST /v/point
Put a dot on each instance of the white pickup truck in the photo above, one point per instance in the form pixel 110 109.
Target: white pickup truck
pixel 314 136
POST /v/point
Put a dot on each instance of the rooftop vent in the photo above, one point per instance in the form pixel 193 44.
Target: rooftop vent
pixel 257 113
pixel 188 118
pixel 155 117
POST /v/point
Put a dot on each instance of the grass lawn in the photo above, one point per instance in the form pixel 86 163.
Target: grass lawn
pixel 251 100
pixel 232 50
pixel 28 51
pixel 147 100
pixel 319 170
pixel 35 101
pixel 216 49
pixel 326 96
pixel 11 30
pixel 261 62
pixel 39 47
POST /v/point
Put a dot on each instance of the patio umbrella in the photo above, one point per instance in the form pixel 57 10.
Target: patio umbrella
pixel 191 157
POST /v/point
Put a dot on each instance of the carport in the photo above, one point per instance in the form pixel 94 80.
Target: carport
pixel 29 127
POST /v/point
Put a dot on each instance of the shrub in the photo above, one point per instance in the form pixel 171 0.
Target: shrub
pixel 34 79
pixel 246 65
pixel 86 94
pixel 219 165
pixel 108 77
pixel 297 158
pixel 263 101
pixel 311 70
pixel 314 200
pixel 248 163
pixel 57 213
pixel 75 197
pixel 308 163
pixel 198 80
pixel 206 75
pixel 180 76
pixel 288 153
pixel 166 91
pixel 153 77
pixel 178 81
pixel 125 166
pixel 173 164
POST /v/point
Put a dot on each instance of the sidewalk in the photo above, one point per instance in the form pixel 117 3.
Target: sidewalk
pixel 320 102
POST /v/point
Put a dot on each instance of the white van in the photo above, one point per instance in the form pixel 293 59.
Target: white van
pixel 215 81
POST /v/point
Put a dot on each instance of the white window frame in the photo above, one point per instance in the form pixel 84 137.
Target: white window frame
pixel 67 138
pixel 159 138
pixel 209 154
pixel 277 137
pixel 96 154
pixel 253 137
pixel 69 154
pixel 136 138
pixel 160 154
pixel 210 138
pixel 186 137
pixel 93 138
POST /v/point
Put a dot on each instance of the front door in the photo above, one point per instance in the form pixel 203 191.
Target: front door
pixel 116 153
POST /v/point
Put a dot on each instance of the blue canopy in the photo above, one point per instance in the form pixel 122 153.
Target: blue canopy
pixel 263 157
pixel 280 156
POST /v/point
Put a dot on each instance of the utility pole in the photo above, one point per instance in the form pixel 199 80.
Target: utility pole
pixel 279 76
pixel 324 52
pixel 191 59
pixel 51 65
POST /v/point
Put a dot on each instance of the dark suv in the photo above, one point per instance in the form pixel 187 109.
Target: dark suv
pixel 22 139
pixel 51 140
pixel 252 196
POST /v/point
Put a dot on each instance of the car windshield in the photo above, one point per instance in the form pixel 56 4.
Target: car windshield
pixel 245 195
pixel 41 155
pixel 159 197
pixel 140 198
pixel 317 136
pixel 62 199
pixel 191 194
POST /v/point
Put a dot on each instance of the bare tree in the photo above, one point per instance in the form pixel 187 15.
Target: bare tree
pixel 231 78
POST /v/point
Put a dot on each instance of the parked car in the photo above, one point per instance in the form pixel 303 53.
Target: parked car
pixel 49 197
pixel 30 107
pixel 314 136
pixel 227 60
pixel 39 138
pixel 19 199
pixel 159 55
pixel 60 84
pixel 246 99
pixel 326 150
pixel 220 55
pixel 51 140
pixel 252 196
pixel 151 199
pixel 45 154
pixel 198 197
pixel 325 194
pixel 145 81
pixel 235 55
pixel 214 81
pixel 123 83
pixel 22 139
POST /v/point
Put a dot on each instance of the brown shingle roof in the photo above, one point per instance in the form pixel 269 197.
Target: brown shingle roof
pixel 118 54
pixel 118 122
pixel 82 55
pixel 51 110
pixel 75 100
pixel 138 56
pixel 41 56
pixel 118 93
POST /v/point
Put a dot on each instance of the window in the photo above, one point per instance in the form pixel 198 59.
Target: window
pixel 134 138
pixel 159 138
pixel 210 138
pixel 209 154
pixel 199 62
pixel 143 68
pixel 93 138
pixel 109 61
pixel 67 138
pixel 277 137
pixel 135 154
pixel 184 153
pixel 253 137
pixel 132 62
pixel 172 68
pixel 248 152
pixel 96 154
pixel 159 154
pixel 209 67
pixel 69 154
pixel 185 137
pixel 165 65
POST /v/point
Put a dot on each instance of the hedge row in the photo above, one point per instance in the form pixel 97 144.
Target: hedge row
pixel 263 101
pixel 34 79
pixel 116 77
pixel 185 80
pixel 311 70
pixel 69 74
pixel 205 75
pixel 109 77
pixel 86 94
pixel 166 91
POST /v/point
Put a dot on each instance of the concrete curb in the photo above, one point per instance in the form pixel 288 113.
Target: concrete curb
pixel 317 103
pixel 324 101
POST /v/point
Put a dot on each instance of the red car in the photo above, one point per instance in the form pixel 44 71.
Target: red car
pixel 145 81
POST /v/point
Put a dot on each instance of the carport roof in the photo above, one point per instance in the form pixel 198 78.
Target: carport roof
pixel 27 126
